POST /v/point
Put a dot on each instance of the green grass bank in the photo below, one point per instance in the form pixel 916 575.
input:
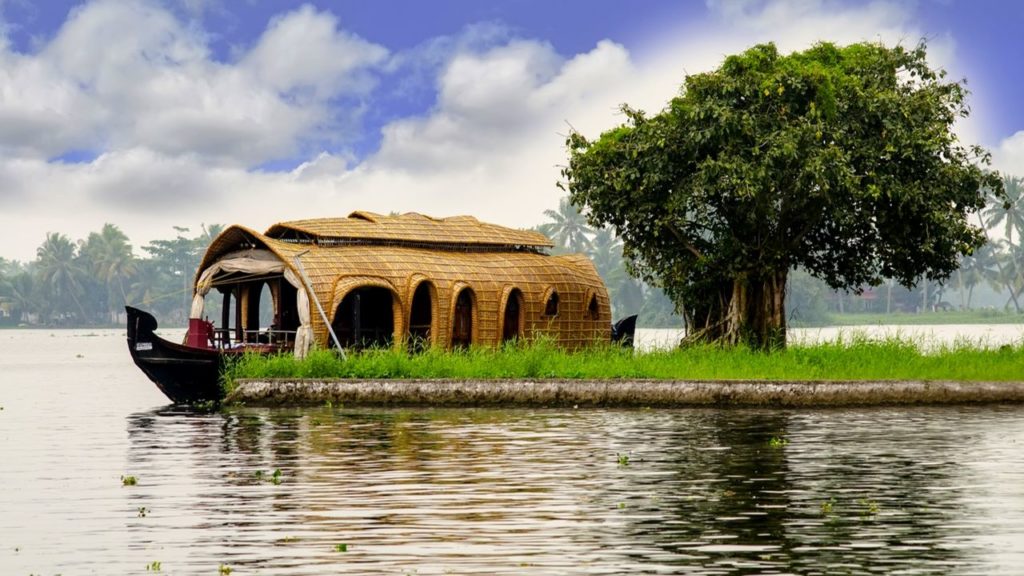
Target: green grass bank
pixel 849 359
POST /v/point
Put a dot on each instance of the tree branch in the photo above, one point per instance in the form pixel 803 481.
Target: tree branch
pixel 682 239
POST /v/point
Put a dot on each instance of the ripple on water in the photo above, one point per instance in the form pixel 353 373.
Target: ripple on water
pixel 883 490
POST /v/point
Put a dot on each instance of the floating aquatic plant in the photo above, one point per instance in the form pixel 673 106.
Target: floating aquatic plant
pixel 273 478
pixel 129 480
pixel 870 506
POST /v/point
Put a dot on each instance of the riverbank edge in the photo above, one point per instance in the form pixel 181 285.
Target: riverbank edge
pixel 529 393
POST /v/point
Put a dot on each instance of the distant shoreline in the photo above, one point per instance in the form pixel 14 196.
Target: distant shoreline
pixel 835 321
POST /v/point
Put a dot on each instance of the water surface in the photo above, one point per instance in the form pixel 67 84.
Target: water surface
pixel 738 491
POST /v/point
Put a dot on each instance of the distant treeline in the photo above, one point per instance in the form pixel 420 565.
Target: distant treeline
pixel 87 283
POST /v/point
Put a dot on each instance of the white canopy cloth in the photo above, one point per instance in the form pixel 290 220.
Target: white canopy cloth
pixel 257 261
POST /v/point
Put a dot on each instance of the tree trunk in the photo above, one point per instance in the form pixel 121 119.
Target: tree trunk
pixel 756 314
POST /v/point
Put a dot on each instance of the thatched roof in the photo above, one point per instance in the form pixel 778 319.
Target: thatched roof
pixel 410 228
pixel 399 252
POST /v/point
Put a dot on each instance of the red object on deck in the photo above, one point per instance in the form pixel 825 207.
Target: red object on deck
pixel 200 333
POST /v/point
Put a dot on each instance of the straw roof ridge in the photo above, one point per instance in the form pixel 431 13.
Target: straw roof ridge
pixel 410 228
pixel 237 237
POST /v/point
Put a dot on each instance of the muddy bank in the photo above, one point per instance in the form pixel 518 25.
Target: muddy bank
pixel 626 393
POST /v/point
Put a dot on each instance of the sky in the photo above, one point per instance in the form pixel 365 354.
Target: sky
pixel 151 114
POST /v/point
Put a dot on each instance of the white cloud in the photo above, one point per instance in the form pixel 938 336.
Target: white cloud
pixel 304 55
pixel 1008 157
pixel 42 111
pixel 125 74
pixel 184 130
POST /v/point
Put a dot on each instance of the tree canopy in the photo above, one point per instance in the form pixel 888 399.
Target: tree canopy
pixel 839 160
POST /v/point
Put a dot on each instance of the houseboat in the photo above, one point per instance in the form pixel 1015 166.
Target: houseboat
pixel 370 280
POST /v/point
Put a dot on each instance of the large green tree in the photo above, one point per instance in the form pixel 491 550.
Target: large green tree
pixel 840 160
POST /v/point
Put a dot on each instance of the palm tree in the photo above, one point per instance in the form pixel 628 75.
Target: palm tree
pixel 1008 212
pixel 568 228
pixel 21 291
pixel 59 273
pixel 178 259
pixel 206 238
pixel 977 268
pixel 1013 274
pixel 110 259
pixel 606 254
pixel 150 286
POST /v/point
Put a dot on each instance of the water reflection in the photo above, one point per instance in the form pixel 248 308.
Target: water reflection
pixel 556 492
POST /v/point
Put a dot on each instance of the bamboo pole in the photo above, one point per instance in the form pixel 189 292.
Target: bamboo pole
pixel 312 294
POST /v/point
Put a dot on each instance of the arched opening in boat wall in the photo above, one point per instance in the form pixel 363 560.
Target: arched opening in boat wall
pixel 260 302
pixel 463 314
pixel 512 316
pixel 421 316
pixel 259 311
pixel 229 316
pixel 365 318
pixel 551 301
pixel 267 306
pixel 593 311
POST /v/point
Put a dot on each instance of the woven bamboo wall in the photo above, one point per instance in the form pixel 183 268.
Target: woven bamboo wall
pixel 333 271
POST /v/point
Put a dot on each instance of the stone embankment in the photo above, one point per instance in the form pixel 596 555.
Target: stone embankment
pixel 619 393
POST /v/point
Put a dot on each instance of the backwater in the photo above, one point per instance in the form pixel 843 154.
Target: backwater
pixel 925 490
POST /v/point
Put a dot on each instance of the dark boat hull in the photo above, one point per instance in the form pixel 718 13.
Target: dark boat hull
pixel 184 374
pixel 188 375
pixel 623 330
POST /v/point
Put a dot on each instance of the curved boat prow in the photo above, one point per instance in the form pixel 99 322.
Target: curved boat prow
pixel 623 330
pixel 183 373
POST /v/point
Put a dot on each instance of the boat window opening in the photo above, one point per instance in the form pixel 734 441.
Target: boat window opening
pixel 222 335
pixel 551 306
pixel 239 321
pixel 462 320
pixel 274 317
pixel 512 322
pixel 235 323
pixel 288 309
pixel 251 308
pixel 593 312
pixel 421 317
pixel 261 311
pixel 365 319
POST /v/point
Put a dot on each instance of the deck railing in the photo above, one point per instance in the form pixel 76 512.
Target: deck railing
pixel 225 338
